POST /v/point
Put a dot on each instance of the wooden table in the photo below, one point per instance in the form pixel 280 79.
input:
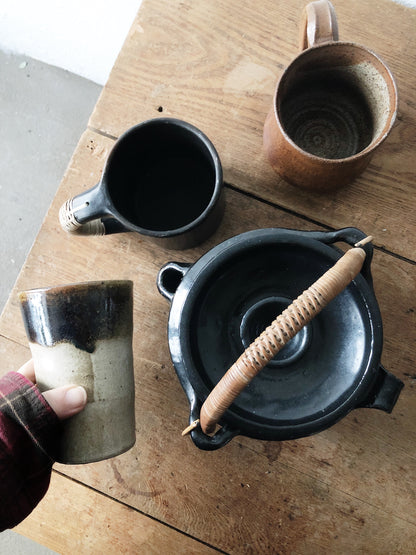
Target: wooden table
pixel 350 489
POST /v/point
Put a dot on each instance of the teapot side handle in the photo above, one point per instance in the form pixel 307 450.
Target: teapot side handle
pixel 203 441
pixel 170 277
pixel 349 235
pixel 384 393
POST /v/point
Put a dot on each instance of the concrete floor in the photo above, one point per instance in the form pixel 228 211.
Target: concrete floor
pixel 43 111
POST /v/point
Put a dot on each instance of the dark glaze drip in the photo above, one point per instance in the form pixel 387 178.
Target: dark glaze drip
pixel 81 315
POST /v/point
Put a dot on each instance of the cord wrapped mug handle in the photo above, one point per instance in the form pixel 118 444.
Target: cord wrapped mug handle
pixel 81 215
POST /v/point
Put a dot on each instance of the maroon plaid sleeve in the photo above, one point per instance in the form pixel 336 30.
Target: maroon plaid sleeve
pixel 28 437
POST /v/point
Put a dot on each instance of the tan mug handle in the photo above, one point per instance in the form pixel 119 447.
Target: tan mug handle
pixel 319 24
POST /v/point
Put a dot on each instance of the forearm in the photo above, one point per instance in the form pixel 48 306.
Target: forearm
pixel 28 432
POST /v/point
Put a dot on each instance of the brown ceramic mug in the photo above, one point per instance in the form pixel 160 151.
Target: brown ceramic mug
pixel 333 107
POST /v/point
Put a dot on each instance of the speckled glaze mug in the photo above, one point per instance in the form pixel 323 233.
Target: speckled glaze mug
pixel 333 107
pixel 82 334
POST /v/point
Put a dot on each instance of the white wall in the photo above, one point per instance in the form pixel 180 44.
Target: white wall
pixel 82 36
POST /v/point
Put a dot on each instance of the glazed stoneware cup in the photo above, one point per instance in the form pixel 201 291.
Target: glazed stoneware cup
pixel 162 179
pixel 333 107
pixel 82 334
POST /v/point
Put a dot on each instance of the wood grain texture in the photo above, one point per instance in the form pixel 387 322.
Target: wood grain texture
pixel 96 524
pixel 216 64
pixel 348 489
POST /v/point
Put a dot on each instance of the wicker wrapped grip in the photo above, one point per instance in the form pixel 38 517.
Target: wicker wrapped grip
pixel 70 224
pixel 275 337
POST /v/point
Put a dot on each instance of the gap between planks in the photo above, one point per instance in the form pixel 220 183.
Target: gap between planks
pixel 124 504
pixel 274 205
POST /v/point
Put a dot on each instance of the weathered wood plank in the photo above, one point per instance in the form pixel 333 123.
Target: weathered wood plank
pixel 215 65
pixel 97 524
pixel 333 491
pixel 12 355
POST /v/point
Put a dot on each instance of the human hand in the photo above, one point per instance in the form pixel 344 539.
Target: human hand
pixel 29 439
pixel 65 401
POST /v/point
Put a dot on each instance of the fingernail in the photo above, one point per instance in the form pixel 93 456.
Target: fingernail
pixel 76 396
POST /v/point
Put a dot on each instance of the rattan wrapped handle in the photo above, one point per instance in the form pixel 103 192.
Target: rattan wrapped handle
pixel 275 337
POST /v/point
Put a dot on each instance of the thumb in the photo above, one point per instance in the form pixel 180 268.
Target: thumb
pixel 67 400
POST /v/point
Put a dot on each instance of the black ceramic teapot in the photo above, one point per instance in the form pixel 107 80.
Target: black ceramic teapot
pixel 222 302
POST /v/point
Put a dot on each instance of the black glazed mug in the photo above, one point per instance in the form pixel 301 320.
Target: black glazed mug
pixel 162 179
pixel 223 301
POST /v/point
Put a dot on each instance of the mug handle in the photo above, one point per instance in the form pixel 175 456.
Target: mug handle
pixel 319 24
pixel 86 214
